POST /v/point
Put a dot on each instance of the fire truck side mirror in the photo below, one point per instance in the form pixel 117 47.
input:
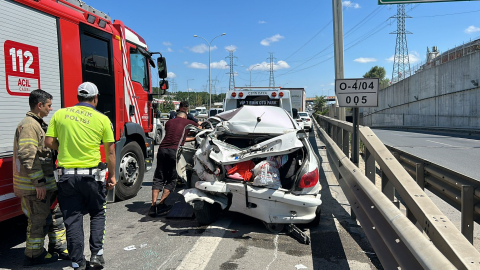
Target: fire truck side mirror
pixel 162 67
pixel 163 87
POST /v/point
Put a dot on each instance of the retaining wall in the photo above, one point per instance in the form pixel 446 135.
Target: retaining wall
pixel 442 96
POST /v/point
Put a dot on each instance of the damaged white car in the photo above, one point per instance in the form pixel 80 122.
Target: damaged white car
pixel 253 160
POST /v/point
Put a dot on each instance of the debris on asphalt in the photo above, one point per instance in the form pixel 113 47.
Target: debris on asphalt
pixel 296 233
pixel 132 247
pixel 143 245
pixel 300 266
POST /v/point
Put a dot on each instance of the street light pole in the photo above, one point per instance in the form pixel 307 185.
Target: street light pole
pixel 251 73
pixel 188 89
pixel 209 68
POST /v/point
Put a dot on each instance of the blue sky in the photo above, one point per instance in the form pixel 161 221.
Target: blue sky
pixel 299 33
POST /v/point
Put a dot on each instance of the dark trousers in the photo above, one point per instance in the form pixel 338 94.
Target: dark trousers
pixel 166 172
pixel 78 195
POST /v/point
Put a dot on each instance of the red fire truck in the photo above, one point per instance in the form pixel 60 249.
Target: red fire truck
pixel 56 45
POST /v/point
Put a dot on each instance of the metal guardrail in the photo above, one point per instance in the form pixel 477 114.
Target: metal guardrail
pixel 460 191
pixel 395 237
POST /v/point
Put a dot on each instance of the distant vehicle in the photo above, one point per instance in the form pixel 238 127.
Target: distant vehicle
pixel 202 112
pixel 258 96
pixel 158 131
pixel 214 111
pixel 308 120
pixel 194 112
pixel 300 121
pixel 299 98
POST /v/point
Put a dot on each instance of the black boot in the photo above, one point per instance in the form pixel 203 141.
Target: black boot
pixel 62 254
pixel 97 260
pixel 44 258
pixel 81 266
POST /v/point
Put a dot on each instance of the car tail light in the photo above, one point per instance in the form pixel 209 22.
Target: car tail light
pixel 309 179
pixel 234 94
pixel 240 94
pixel 299 120
pixel 308 119
pixel 281 94
pixel 274 94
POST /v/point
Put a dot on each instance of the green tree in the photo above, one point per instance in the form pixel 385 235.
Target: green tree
pixel 378 72
pixel 319 104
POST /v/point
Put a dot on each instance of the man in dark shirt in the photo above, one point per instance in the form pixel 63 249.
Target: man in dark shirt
pixel 165 176
pixel 183 108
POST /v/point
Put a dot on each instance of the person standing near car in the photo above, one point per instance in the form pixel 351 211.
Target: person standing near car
pixel 183 107
pixel 34 183
pixel 77 133
pixel 165 177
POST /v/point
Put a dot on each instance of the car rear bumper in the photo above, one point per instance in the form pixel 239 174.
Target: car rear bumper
pixel 268 205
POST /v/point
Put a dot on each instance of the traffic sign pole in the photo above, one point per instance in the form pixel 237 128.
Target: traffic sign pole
pixel 355 139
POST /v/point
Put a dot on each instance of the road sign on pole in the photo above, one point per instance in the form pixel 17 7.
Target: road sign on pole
pixel 399 2
pixel 357 92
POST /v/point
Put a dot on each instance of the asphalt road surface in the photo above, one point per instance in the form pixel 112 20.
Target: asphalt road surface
pixel 453 152
pixel 235 241
pixel 456 153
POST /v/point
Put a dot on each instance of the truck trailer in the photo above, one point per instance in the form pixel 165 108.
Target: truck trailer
pixel 299 98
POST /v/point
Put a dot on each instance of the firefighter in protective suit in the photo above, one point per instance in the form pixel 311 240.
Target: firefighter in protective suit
pixel 34 183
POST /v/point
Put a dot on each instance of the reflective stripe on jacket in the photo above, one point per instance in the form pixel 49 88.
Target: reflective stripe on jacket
pixel 32 160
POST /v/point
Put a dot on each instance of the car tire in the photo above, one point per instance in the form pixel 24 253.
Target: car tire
pixel 205 212
pixel 131 171
pixel 158 137
pixel 316 221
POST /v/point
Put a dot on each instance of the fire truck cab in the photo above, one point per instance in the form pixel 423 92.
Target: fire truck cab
pixel 55 45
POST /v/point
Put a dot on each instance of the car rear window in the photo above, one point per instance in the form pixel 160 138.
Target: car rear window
pixel 303 114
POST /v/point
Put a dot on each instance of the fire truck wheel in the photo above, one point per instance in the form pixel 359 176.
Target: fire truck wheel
pixel 132 169
pixel 158 137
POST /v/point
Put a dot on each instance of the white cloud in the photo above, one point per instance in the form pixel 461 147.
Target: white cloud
pixel 322 85
pixel 171 75
pixel 264 66
pixel 413 57
pixel 262 22
pixel 219 65
pixel 186 62
pixel 349 4
pixel 169 50
pixel 202 48
pixel 365 60
pixel 231 48
pixel 267 41
pixel 197 65
pixel 166 43
pixel 332 83
pixel 472 29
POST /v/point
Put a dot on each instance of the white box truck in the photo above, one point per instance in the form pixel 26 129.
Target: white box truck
pixel 298 97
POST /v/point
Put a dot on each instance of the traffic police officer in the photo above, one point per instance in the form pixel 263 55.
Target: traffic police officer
pixel 77 133
pixel 34 183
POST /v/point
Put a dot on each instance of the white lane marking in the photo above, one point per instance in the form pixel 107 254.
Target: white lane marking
pixel 7 196
pixel 440 143
pixel 275 242
pixel 201 253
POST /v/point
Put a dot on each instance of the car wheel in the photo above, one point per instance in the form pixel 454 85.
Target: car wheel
pixel 275 228
pixel 131 171
pixel 316 221
pixel 205 212
pixel 158 137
